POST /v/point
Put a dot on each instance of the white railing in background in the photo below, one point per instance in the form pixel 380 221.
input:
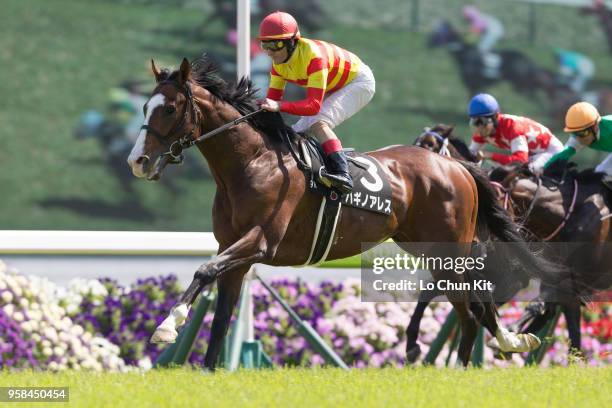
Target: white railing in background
pixel 17 242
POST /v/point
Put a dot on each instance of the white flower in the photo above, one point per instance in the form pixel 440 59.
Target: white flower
pixel 18 317
pixel 47 351
pixel 9 309
pixel 24 303
pixel 51 334
pixel 35 315
pixel 7 297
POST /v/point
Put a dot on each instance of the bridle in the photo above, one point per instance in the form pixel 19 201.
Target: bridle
pixel 174 154
pixel 443 141
pixel 508 202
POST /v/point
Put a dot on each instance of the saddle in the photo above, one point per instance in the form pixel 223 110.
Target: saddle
pixel 371 191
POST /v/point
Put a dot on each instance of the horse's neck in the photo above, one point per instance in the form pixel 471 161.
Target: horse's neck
pixel 229 153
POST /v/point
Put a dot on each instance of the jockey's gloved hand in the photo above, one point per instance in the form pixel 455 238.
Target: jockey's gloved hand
pixel 270 105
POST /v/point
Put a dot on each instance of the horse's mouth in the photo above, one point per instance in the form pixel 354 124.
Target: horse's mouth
pixel 158 168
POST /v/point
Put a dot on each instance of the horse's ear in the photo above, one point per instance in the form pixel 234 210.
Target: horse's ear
pixel 156 71
pixel 448 132
pixel 184 71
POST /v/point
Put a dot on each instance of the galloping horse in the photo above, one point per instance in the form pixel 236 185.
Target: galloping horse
pixel 577 210
pixel 517 188
pixel 264 211
pixel 515 66
pixel 440 137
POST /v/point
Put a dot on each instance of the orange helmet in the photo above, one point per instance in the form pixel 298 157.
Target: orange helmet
pixel 278 26
pixel 580 116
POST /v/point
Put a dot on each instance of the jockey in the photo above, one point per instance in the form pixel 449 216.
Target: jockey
pixel 338 84
pixel 588 128
pixel 528 141
pixel 488 30
pixel 575 69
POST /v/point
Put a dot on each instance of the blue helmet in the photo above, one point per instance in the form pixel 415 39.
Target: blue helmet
pixel 483 105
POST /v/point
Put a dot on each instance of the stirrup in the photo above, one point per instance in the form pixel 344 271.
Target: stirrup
pixel 342 183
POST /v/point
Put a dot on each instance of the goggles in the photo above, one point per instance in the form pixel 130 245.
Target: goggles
pixel 273 46
pixel 583 133
pixel 480 121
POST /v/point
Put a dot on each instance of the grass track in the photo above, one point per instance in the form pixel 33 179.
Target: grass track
pixel 567 387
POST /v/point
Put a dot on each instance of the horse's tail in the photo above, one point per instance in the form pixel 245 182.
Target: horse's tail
pixel 498 222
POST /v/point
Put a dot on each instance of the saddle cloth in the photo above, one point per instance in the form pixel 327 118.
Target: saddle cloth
pixel 371 189
pixel 371 192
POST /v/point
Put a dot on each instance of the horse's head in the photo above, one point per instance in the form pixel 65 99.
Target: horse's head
pixel 434 138
pixel 442 34
pixel 507 175
pixel 171 117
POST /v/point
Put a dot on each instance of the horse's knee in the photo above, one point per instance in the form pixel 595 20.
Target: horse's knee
pixel 206 274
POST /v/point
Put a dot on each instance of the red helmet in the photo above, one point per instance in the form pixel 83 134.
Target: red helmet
pixel 278 26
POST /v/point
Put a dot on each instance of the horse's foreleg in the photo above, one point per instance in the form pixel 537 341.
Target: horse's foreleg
pixel 250 249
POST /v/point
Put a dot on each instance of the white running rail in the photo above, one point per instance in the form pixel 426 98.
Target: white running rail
pixel 22 242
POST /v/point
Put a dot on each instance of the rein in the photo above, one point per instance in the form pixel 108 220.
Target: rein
pixel 567 215
pixel 504 190
pixel 533 202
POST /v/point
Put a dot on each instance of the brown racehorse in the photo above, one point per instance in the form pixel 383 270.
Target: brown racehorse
pixel 264 212
pixel 576 211
pixel 516 188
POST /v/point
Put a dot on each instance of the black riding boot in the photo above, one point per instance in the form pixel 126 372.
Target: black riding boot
pixel 337 172
pixel 607 181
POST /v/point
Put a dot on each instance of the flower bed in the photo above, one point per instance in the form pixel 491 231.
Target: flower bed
pixel 99 324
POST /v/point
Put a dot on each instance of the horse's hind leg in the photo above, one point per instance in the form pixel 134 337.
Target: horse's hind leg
pixel 413 350
pixel 572 317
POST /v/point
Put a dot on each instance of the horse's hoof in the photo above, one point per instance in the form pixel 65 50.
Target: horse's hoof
pixel 532 341
pixel 413 353
pixel 164 335
pixel 493 343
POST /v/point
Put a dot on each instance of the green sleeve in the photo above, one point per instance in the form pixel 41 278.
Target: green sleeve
pixel 564 154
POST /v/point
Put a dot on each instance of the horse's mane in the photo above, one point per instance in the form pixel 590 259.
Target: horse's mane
pixel 499 173
pixel 570 169
pixel 241 95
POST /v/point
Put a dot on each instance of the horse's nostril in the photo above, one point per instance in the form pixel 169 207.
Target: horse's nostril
pixel 142 160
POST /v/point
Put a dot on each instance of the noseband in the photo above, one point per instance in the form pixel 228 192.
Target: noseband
pixel 175 149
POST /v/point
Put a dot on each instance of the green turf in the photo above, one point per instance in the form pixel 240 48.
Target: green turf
pixel 61 57
pixel 423 387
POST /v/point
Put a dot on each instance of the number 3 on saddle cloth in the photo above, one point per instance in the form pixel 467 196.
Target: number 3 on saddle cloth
pixel 371 192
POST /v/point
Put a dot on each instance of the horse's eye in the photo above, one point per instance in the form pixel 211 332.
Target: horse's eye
pixel 169 110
